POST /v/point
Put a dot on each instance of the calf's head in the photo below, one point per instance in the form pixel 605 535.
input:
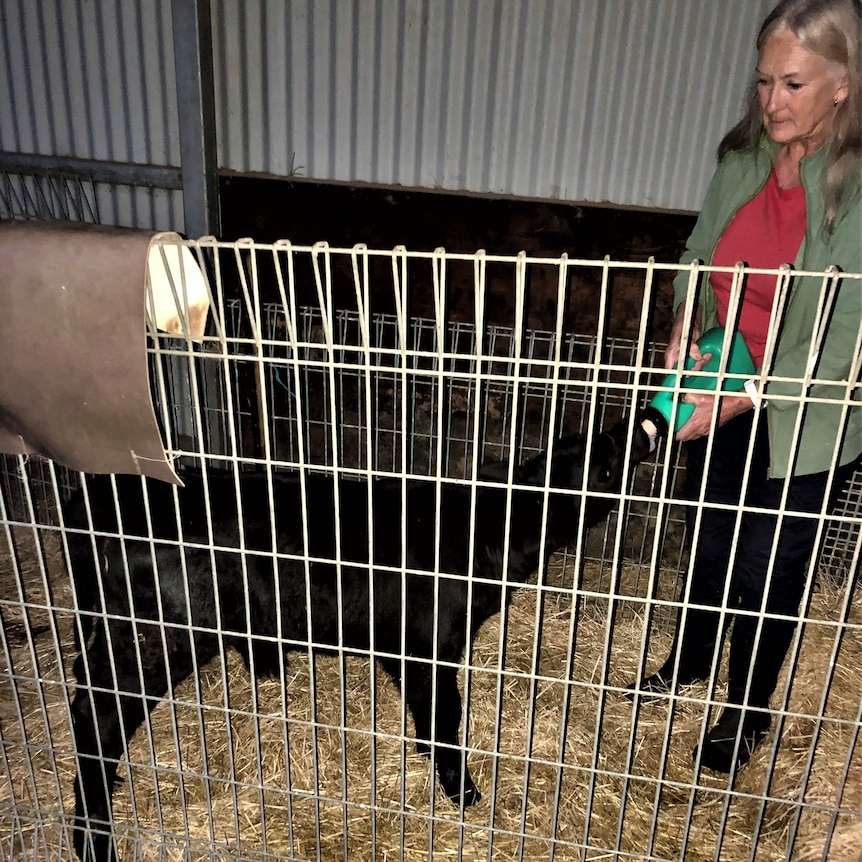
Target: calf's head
pixel 608 455
pixel 607 459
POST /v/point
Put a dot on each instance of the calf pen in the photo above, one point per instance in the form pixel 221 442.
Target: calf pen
pixel 394 364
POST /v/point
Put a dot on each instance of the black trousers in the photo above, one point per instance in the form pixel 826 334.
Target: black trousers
pixel 713 564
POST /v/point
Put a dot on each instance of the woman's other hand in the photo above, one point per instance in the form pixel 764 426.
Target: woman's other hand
pixel 700 422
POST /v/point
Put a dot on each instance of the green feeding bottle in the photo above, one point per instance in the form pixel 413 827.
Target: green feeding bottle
pixel 738 362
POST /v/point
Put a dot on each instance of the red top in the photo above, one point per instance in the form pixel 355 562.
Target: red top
pixel 764 233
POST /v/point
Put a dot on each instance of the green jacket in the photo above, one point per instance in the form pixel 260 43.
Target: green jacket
pixel 739 177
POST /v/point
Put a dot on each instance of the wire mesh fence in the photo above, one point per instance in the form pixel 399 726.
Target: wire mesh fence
pixel 47 196
pixel 390 397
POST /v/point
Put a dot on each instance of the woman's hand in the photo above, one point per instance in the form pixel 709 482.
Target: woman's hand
pixel 700 422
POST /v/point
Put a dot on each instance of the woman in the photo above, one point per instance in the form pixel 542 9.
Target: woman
pixel 787 190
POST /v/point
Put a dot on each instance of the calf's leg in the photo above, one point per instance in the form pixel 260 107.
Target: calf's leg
pixel 107 709
pixel 102 721
pixel 443 745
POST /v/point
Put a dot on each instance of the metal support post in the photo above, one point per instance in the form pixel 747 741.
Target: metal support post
pixel 193 57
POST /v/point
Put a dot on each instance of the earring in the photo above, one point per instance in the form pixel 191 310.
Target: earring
pixel 835 101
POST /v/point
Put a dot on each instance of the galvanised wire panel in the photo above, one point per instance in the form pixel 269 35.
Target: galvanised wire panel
pixel 297 381
pixel 55 196
pixel 591 101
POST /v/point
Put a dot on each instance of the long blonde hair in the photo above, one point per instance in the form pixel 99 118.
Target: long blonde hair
pixel 831 29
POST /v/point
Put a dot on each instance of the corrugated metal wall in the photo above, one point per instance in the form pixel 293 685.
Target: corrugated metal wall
pixel 595 100
pixel 93 80
pixel 90 79
pixel 592 101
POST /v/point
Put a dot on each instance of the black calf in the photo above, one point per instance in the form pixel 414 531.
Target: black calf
pixel 181 600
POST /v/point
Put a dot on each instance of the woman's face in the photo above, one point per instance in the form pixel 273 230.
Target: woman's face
pixel 797 90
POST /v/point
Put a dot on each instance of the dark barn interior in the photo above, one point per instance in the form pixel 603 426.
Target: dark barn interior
pixel 304 212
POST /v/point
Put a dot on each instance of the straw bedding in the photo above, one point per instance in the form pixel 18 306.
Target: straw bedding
pixel 235 780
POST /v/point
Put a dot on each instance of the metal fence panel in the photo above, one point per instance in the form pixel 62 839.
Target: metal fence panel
pixel 323 362
pixel 57 196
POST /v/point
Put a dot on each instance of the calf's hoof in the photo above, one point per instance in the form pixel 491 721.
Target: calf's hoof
pixel 94 845
pixel 650 688
pixel 459 788
pixel 472 796
pixel 658 684
pixel 720 751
